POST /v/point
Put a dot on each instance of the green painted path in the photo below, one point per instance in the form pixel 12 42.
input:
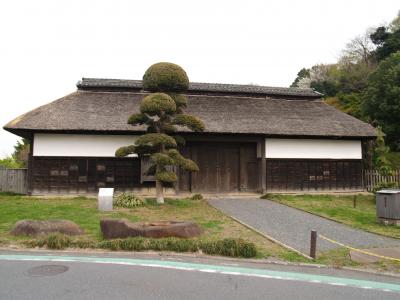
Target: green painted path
pixel 231 270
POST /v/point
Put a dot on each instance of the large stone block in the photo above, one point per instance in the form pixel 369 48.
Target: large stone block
pixel 36 227
pixel 122 228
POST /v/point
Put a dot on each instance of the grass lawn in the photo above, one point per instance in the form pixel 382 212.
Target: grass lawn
pixel 216 225
pixel 83 211
pixel 340 208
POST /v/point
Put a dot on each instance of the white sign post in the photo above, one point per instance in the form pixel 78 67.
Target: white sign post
pixel 105 199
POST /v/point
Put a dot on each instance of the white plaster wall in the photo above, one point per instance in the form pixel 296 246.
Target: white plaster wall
pixel 312 149
pixel 45 144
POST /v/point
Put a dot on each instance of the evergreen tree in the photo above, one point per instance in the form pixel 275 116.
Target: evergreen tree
pixel 387 42
pixel 162 113
pixel 19 158
pixel 381 151
pixel 382 99
pixel 21 152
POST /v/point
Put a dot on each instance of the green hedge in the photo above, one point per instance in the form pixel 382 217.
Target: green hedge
pixel 225 247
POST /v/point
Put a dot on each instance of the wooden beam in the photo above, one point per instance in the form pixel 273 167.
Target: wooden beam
pixel 264 175
pixel 30 167
pixel 262 166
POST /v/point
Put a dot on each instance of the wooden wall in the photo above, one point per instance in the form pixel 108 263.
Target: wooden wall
pixel 83 175
pixel 314 175
pixel 225 167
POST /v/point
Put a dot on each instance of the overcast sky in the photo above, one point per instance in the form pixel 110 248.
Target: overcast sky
pixel 47 46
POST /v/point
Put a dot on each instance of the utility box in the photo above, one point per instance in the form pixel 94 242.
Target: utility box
pixel 105 199
pixel 388 206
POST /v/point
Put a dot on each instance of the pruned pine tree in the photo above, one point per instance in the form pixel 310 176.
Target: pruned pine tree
pixel 162 112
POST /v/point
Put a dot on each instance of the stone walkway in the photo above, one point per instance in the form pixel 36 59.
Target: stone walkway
pixel 292 226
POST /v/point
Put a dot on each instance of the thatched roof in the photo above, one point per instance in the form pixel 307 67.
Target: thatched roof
pixel 108 111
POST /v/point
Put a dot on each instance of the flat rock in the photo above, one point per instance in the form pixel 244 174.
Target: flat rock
pixel 359 257
pixel 36 227
pixel 122 228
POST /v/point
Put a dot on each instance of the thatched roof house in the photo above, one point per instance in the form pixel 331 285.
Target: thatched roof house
pixel 270 139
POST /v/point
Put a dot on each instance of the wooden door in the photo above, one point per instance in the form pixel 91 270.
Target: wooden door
pixel 206 179
pixel 224 167
pixel 248 167
pixel 227 168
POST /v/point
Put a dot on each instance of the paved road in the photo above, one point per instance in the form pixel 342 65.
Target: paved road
pixel 122 278
pixel 292 226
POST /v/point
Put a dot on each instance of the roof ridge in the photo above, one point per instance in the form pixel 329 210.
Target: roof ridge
pixel 203 96
pixel 87 83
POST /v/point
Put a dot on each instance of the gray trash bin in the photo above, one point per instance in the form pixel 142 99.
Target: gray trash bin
pixel 388 206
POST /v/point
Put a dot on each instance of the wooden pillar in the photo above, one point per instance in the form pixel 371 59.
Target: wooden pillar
pixel 262 163
pixel 263 169
pixel 30 167
pixel 242 170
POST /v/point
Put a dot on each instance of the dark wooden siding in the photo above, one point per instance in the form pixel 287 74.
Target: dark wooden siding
pixel 313 175
pixel 83 175
pixel 224 167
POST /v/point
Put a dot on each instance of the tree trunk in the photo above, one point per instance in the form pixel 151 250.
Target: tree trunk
pixel 159 184
pixel 159 189
pixel 160 192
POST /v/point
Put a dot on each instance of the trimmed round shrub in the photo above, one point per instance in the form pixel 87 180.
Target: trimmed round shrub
pixel 180 100
pixel 191 122
pixel 184 163
pixel 165 77
pixel 161 159
pixel 128 201
pixel 197 197
pixel 125 151
pixel 179 140
pixel 137 119
pixel 166 176
pixel 155 104
pixel 169 128
pixel 155 140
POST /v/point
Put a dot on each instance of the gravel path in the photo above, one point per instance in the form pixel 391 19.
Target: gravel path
pixel 292 226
